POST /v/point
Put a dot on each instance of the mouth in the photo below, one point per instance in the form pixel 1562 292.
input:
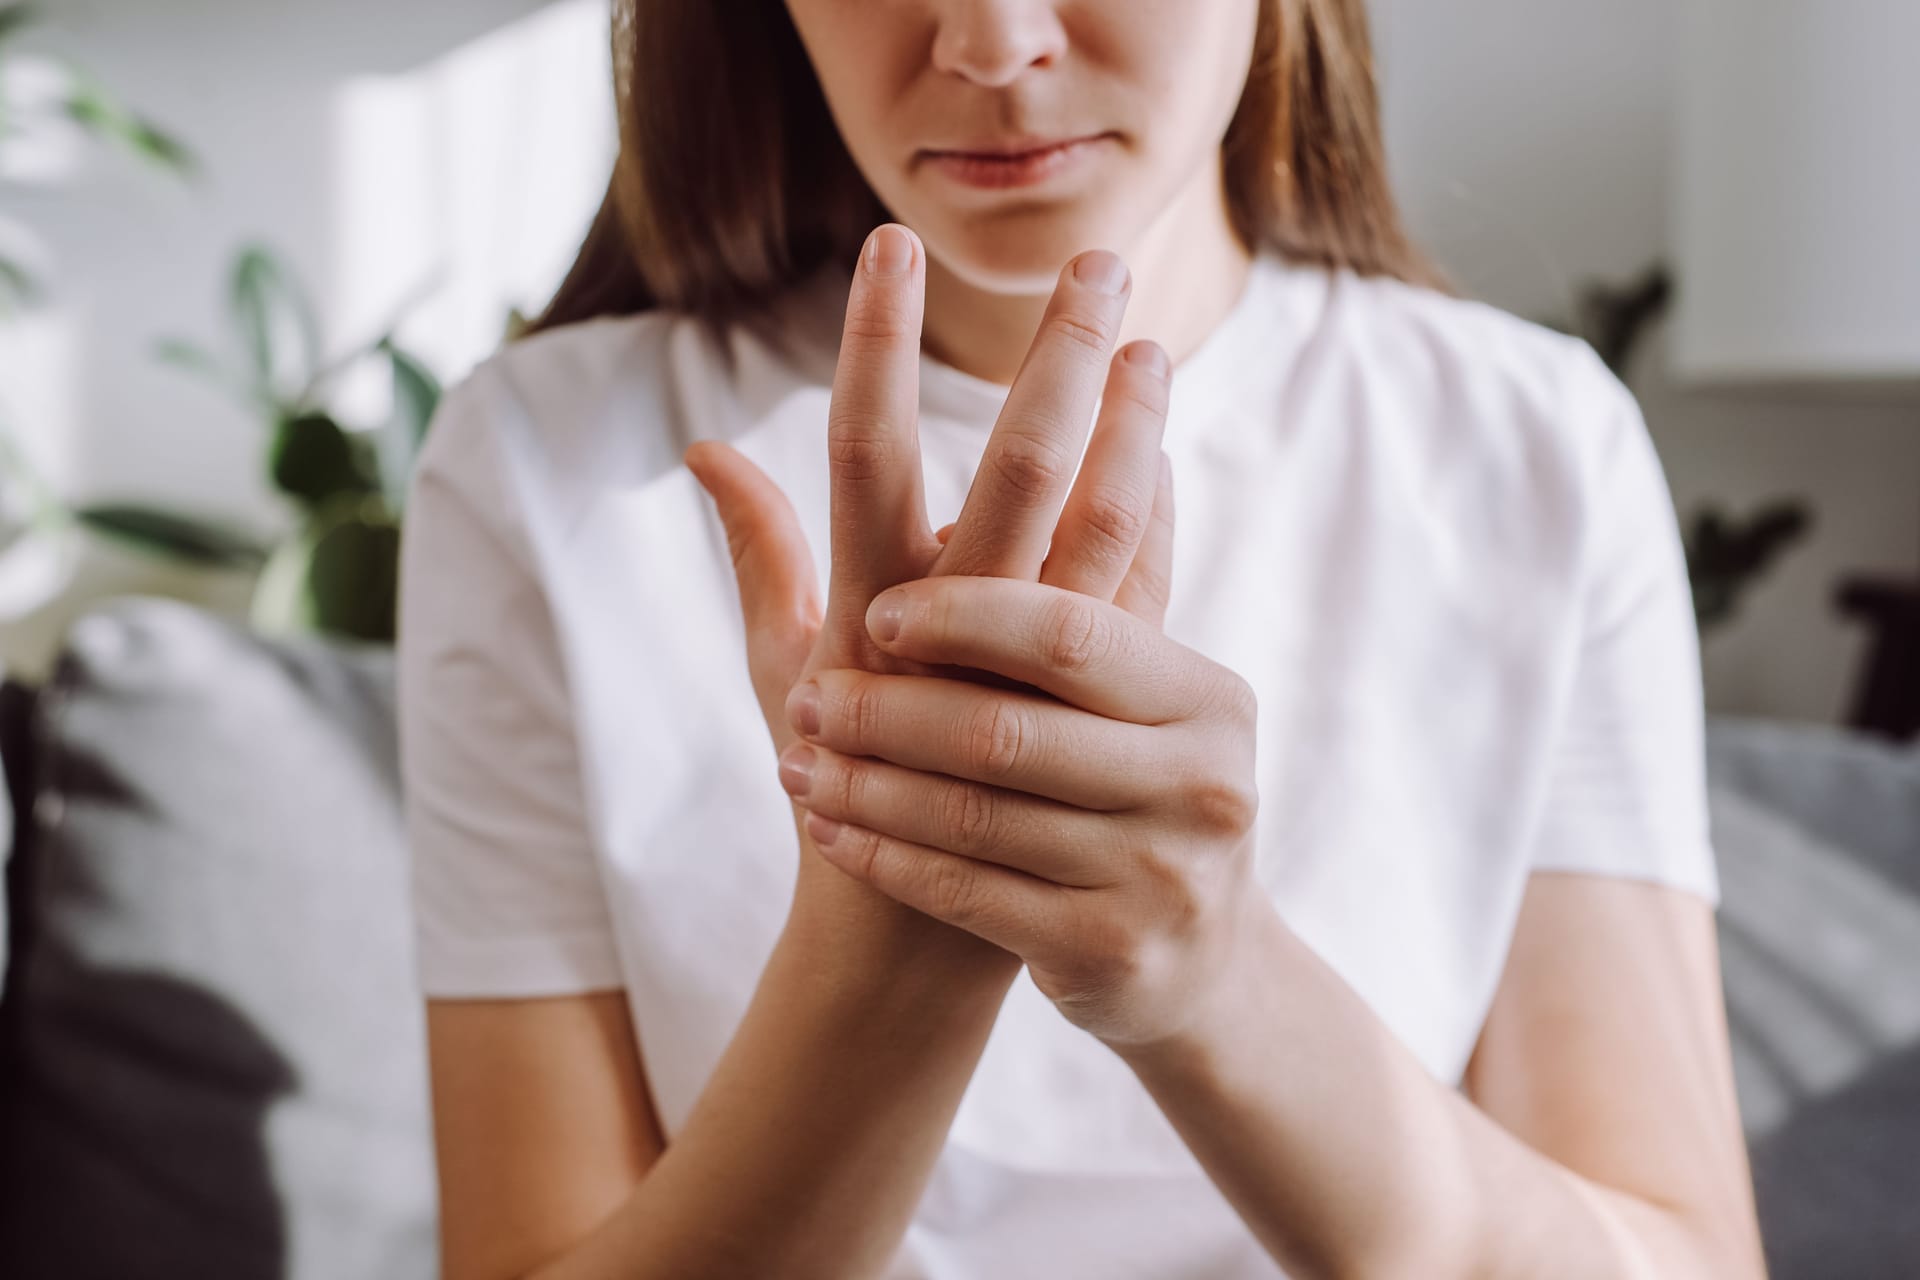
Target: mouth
pixel 1013 162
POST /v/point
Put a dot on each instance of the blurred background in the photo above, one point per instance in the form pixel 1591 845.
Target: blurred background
pixel 243 243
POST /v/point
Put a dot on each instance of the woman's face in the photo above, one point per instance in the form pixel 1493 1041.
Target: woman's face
pixel 948 107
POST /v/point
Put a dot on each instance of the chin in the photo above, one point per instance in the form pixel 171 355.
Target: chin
pixel 1015 251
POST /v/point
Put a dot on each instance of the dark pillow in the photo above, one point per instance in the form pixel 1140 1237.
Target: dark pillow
pixel 214 1050
pixel 10 761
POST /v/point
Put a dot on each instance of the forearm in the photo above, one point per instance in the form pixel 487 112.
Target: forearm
pixel 1346 1158
pixel 813 1140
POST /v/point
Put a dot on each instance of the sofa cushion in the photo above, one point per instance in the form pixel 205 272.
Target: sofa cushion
pixel 1818 836
pixel 215 1051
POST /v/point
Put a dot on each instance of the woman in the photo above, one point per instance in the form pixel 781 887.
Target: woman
pixel 1324 892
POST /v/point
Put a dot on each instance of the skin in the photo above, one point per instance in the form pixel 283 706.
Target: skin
pixel 1085 810
pixel 1161 78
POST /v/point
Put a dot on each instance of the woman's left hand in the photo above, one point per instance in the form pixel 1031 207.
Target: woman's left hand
pixel 1103 833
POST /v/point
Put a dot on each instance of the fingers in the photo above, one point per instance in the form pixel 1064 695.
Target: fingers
pixel 1109 510
pixel 1041 837
pixel 878 520
pixel 1149 582
pixel 1087 653
pixel 1011 509
pixel 772 567
pixel 1015 911
pixel 1005 738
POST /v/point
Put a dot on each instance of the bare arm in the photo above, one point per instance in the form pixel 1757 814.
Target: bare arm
pixel 804 1157
pixel 810 1146
pixel 1605 1142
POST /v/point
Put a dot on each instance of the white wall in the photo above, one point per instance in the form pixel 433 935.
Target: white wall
pixel 1529 137
pixel 1530 140
pixel 365 140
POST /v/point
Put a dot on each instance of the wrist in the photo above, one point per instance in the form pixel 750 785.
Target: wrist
pixel 1255 949
pixel 853 933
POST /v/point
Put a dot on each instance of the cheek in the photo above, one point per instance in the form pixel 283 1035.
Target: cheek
pixel 1186 59
pixel 859 56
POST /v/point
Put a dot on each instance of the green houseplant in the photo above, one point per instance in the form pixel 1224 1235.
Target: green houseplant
pixel 1726 554
pixel 338 571
pixel 80 100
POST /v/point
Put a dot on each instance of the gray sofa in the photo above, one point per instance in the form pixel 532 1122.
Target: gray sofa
pixel 211 1050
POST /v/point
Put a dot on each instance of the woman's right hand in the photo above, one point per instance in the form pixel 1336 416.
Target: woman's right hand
pixel 1110 536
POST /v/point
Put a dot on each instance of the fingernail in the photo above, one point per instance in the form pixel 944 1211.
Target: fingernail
pixel 823 830
pixel 1101 271
pixel 803 708
pixel 889 251
pixel 885 615
pixel 796 768
pixel 1149 356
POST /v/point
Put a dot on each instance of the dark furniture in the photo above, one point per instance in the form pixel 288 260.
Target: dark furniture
pixel 1888 700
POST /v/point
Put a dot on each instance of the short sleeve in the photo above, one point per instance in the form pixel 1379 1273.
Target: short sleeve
pixel 1627 793
pixel 508 899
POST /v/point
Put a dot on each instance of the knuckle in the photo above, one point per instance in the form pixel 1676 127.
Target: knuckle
pixel 1176 901
pixel 995 739
pixel 969 813
pixel 1114 518
pixel 1029 467
pixel 863 850
pixel 954 890
pixel 860 713
pixel 1082 332
pixel 859 445
pixel 1076 638
pixel 1222 806
pixel 847 787
pixel 1242 703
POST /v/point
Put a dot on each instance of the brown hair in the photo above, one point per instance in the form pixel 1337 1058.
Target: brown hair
pixel 732 182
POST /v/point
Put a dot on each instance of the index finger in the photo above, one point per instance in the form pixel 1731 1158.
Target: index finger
pixel 878 520
pixel 1085 652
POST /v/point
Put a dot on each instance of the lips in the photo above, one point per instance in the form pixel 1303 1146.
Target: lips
pixel 1001 163
pixel 1009 148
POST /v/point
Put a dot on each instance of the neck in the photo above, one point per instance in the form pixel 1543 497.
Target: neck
pixel 1188 271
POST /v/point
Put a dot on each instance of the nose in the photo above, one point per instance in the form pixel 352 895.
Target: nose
pixel 991 42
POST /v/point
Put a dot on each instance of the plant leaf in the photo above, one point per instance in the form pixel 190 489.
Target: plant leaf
pixel 339 575
pixel 176 536
pixel 353 579
pixel 90 106
pixel 313 460
pixel 416 394
pixel 18 288
pixel 15 18
pixel 193 358
pixel 269 309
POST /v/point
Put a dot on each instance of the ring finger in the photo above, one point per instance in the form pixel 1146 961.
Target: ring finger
pixel 1040 837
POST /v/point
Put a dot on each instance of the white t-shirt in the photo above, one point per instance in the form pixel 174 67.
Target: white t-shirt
pixel 1435 539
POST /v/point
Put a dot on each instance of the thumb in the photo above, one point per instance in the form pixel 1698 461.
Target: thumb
pixel 772 567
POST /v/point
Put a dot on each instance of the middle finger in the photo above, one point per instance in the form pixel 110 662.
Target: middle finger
pixel 1009 514
pixel 1022 741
